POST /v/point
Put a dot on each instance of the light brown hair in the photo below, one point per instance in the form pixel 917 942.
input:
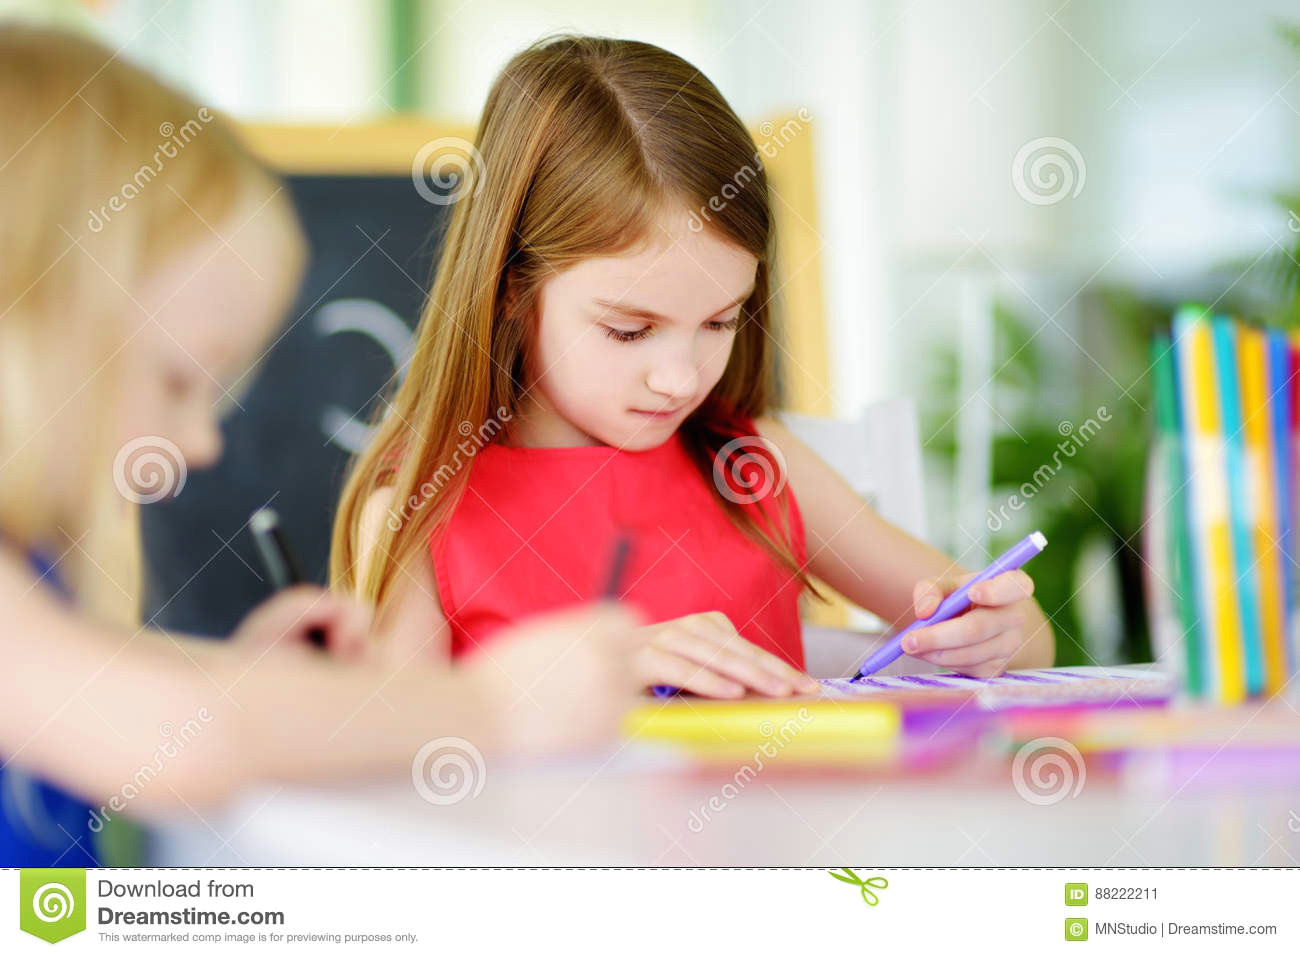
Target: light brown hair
pixel 584 142
pixel 106 173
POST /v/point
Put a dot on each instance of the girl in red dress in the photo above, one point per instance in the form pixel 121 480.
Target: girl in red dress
pixel 595 362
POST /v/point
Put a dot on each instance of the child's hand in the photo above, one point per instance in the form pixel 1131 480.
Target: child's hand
pixel 981 640
pixel 287 617
pixel 556 682
pixel 705 654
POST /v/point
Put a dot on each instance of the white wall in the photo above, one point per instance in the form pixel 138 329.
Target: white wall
pixel 1186 113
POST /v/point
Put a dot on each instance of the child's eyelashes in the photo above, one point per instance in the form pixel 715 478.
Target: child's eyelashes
pixel 633 335
pixel 627 335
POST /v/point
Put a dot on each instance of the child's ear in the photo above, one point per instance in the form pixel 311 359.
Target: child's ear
pixel 510 290
pixel 512 295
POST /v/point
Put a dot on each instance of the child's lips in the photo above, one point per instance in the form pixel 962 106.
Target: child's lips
pixel 666 414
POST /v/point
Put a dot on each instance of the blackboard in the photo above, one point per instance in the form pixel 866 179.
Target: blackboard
pixel 374 242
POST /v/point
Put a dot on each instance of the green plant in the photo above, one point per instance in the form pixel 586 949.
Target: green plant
pixel 1279 269
pixel 1098 496
pixel 1091 497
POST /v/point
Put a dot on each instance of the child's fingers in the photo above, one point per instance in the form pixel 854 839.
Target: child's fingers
pixel 968 629
pixel 344 622
pixel 295 612
pixel 706 649
pixel 742 668
pixel 1005 589
pixel 983 660
pixel 710 642
pixel 711 624
pixel 927 594
pixel 273 617
pixel 665 667
pixel 347 627
pixel 776 677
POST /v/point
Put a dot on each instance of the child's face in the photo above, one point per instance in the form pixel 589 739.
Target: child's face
pixel 214 307
pixel 628 346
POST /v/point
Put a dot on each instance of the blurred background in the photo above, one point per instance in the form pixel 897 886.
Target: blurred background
pixel 1010 196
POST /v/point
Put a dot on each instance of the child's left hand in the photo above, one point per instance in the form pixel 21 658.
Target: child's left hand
pixel 981 640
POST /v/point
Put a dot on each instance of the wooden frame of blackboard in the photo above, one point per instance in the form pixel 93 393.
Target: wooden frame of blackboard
pixel 389 146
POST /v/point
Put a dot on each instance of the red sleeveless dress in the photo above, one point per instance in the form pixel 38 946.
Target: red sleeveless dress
pixel 536 528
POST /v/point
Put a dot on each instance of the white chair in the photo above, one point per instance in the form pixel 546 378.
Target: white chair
pixel 879 455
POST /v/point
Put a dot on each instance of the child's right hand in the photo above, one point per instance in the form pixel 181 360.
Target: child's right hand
pixel 705 654
pixel 557 682
pixel 286 618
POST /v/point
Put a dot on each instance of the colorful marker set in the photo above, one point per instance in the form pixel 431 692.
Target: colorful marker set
pixel 898 722
pixel 1221 505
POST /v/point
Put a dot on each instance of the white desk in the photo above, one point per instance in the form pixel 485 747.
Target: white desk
pixel 639 807
pixel 615 816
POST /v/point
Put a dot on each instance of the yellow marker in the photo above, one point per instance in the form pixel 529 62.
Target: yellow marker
pixel 797 730
pixel 1224 672
pixel 1257 425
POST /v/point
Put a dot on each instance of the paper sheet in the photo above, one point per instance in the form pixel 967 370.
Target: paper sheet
pixel 1083 685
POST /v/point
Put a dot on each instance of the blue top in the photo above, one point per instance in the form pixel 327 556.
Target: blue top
pixel 41 826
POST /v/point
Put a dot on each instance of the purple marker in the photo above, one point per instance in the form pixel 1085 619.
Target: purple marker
pixel 957 602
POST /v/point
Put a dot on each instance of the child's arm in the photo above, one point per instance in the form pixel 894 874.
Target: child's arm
pixel 81 704
pixel 411 623
pixel 702 653
pixel 899 578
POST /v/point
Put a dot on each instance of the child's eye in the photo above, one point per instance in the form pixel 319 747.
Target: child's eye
pixel 625 335
pixel 724 325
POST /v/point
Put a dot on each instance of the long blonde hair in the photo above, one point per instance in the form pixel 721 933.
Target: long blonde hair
pixel 106 173
pixel 584 142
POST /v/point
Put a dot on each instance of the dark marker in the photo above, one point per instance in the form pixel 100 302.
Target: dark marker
pixel 277 559
pixel 617 566
pixel 614 589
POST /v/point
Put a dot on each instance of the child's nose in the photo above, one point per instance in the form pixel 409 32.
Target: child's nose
pixel 673 378
pixel 201 446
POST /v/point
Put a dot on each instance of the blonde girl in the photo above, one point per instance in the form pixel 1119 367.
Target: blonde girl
pixel 145 262
pixel 596 363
